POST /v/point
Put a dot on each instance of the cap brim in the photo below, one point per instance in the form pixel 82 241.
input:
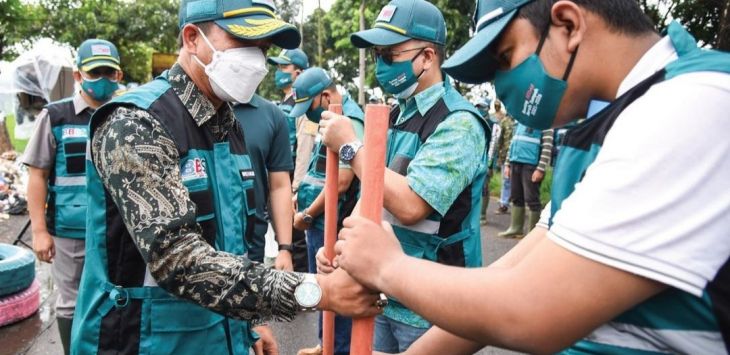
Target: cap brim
pixel 376 37
pixel 472 63
pixel 256 27
pixel 278 61
pixel 99 63
pixel 301 108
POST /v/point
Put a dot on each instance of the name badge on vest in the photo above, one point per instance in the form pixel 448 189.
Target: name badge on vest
pixel 194 169
pixel 247 175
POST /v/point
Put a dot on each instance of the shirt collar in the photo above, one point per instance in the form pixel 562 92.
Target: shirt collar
pixel 423 101
pixel 196 103
pixel 655 59
pixel 80 104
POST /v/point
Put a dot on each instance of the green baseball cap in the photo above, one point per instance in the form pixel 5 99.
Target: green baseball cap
pixel 94 53
pixel 245 19
pixel 473 63
pixel 291 56
pixel 402 20
pixel 309 84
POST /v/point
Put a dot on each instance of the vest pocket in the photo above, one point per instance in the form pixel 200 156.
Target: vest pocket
pixel 249 211
pixel 181 327
pixel 70 211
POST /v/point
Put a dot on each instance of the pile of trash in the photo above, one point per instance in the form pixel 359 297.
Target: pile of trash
pixel 13 185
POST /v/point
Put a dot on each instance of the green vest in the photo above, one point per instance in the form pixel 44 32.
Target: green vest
pixel 313 183
pixel 673 315
pixel 286 107
pixel 66 205
pixel 452 239
pixel 119 308
pixel 525 145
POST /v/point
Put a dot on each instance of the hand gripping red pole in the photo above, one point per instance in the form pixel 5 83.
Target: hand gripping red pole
pixel 331 195
pixel 371 204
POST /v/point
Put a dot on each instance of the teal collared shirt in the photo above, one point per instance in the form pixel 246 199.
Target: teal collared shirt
pixel 441 169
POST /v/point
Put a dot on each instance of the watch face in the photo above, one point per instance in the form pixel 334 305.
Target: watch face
pixel 308 294
pixel 347 153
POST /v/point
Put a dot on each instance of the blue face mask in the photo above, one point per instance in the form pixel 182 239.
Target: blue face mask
pixel 529 93
pixel 100 89
pixel 398 78
pixel 315 114
pixel 282 79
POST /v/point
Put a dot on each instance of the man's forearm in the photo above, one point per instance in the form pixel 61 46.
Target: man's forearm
pixel 37 195
pixel 281 212
pixel 437 341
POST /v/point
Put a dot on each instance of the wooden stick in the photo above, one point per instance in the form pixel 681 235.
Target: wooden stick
pixel 371 205
pixel 331 195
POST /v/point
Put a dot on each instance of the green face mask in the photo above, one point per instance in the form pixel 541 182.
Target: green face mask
pixel 100 89
pixel 529 93
pixel 315 114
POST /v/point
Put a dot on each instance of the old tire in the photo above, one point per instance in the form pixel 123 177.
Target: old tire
pixel 21 305
pixel 17 269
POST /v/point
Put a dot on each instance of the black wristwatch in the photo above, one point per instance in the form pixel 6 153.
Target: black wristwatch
pixel 286 247
pixel 306 217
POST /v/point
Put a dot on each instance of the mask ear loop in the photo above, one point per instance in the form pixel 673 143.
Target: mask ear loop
pixel 414 58
pixel 572 56
pixel 207 42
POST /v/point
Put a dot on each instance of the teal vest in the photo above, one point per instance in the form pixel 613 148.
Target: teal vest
pixel 66 205
pixel 452 239
pixel 525 145
pixel 672 315
pixel 119 310
pixel 286 107
pixel 313 183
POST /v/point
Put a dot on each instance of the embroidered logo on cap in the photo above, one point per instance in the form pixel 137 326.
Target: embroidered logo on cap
pixel 387 13
pixel 100 49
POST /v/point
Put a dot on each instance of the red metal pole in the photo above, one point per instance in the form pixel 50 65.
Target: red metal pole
pixel 331 195
pixel 371 205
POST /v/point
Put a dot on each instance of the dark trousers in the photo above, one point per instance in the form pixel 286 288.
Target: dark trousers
pixel 524 192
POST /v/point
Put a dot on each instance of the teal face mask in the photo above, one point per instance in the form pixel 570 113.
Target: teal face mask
pixel 315 114
pixel 282 79
pixel 397 78
pixel 529 93
pixel 100 89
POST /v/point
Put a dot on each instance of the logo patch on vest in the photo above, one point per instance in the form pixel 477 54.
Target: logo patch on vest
pixel 74 132
pixel 247 175
pixel 194 169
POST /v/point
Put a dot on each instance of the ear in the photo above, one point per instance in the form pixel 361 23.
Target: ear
pixel 120 75
pixel 77 76
pixel 572 18
pixel 429 58
pixel 190 38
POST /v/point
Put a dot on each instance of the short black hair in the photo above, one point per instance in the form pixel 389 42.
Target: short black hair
pixel 204 26
pixel 621 16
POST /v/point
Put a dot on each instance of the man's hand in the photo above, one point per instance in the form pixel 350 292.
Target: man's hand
pixel 299 223
pixel 537 176
pixel 324 266
pixel 294 203
pixel 43 246
pixel 267 342
pixel 507 172
pixel 283 261
pixel 336 130
pixel 368 251
pixel 343 295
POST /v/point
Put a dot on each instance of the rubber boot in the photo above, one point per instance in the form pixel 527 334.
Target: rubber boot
pixel 532 218
pixel 64 329
pixel 515 229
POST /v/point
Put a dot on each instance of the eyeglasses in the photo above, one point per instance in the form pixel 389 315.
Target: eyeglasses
pixel 98 72
pixel 387 55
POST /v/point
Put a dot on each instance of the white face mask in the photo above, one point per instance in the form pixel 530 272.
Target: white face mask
pixel 235 73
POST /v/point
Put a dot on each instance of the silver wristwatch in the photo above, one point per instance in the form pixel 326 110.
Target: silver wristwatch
pixel 308 293
pixel 349 150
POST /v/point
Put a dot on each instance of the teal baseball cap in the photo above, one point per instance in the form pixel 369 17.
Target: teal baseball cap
pixel 291 56
pixel 94 53
pixel 245 19
pixel 308 85
pixel 402 20
pixel 473 63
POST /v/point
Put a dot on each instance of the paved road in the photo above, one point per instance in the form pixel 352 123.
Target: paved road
pixel 38 335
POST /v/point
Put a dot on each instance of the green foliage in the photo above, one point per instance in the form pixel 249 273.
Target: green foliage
pixel 18 144
pixel 703 18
